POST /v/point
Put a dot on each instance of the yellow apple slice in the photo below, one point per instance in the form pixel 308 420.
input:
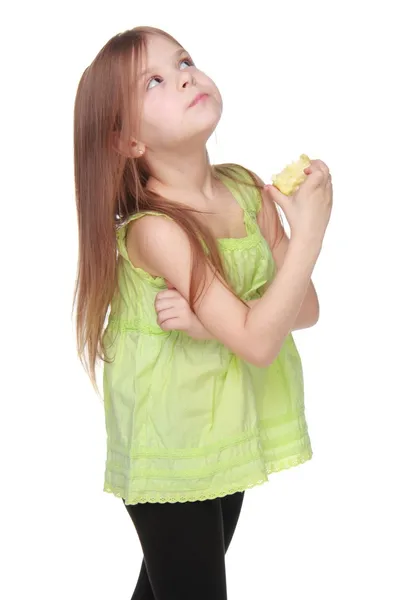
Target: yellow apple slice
pixel 288 180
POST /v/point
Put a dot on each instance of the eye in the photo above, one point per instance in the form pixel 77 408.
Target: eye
pixel 187 60
pixel 158 79
pixel 153 79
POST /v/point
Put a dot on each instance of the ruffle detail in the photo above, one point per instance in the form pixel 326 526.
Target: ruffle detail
pixel 250 241
pixel 162 498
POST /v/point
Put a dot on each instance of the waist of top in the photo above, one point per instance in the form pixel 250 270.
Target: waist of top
pixel 122 324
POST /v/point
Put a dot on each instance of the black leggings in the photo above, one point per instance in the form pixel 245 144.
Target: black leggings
pixel 184 546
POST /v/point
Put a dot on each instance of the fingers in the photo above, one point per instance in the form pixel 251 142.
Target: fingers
pixel 318 173
pixel 167 297
pixel 166 314
pixel 170 306
pixel 170 324
pixel 170 293
pixel 162 303
pixel 329 181
pixel 177 301
pixel 319 165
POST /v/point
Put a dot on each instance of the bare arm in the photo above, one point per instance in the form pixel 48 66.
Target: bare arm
pixel 275 235
pixel 256 334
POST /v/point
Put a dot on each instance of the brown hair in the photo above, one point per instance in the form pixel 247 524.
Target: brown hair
pixel 110 187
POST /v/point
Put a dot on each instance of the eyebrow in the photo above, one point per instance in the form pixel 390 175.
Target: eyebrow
pixel 174 56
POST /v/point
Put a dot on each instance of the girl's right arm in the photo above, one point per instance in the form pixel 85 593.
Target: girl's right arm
pixel 256 334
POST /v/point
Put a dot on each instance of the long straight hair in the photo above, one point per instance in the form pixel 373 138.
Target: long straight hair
pixel 111 186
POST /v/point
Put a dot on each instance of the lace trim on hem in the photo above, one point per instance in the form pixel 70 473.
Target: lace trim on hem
pixel 187 498
pixel 162 498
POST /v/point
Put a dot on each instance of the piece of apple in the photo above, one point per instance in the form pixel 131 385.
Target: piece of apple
pixel 288 180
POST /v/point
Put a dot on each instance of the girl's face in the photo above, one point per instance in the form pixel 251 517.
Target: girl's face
pixel 169 85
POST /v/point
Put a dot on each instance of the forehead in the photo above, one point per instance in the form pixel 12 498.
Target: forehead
pixel 160 49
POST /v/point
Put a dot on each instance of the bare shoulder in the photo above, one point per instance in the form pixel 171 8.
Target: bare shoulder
pixel 152 240
pixel 151 229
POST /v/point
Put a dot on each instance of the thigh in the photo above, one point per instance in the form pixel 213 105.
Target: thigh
pixel 231 507
pixel 183 547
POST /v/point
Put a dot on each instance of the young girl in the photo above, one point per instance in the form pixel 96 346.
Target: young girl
pixel 203 384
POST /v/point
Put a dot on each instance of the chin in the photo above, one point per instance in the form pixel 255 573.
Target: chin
pixel 207 122
pixel 198 131
pixel 203 134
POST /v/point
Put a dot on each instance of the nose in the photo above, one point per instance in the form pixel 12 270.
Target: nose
pixel 185 79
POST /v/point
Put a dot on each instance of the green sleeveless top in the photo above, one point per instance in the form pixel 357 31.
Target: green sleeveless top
pixel 187 419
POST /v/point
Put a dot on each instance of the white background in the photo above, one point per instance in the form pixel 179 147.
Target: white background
pixel 315 77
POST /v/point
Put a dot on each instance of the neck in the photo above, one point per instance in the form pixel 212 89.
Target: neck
pixel 181 177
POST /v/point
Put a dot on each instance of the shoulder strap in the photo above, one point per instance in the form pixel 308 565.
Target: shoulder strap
pixel 122 229
pixel 248 196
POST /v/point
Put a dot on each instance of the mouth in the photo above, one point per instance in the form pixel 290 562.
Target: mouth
pixel 198 99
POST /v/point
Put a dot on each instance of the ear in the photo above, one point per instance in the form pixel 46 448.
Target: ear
pixel 131 148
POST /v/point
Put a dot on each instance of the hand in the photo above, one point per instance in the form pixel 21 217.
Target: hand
pixel 174 313
pixel 308 210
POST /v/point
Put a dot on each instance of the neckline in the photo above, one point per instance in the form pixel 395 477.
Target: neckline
pixel 228 242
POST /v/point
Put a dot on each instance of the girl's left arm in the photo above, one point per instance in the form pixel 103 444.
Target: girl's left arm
pixel 272 230
pixel 274 233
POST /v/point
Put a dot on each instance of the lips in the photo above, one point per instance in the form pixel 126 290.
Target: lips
pixel 197 99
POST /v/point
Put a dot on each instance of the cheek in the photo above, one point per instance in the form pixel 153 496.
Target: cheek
pixel 217 95
pixel 159 121
pixel 154 111
pixel 210 85
pixel 218 98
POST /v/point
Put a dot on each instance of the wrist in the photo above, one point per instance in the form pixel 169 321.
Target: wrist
pixel 311 244
pixel 197 331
